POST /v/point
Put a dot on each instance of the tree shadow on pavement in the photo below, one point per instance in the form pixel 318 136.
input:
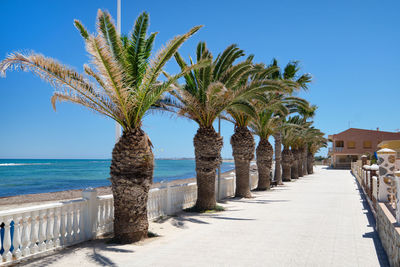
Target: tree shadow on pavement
pixel 96 249
pixel 258 201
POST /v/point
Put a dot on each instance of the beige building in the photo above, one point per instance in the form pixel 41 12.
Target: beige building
pixel 350 145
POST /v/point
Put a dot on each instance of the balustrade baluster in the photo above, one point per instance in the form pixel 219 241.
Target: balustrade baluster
pixel 17 236
pixel 7 256
pixel 107 215
pixel 49 229
pixel 69 225
pixel 82 208
pixel 25 235
pixel 101 217
pixel 63 229
pixel 56 227
pixel 34 234
pixel 42 232
pixel 112 215
pixel 75 225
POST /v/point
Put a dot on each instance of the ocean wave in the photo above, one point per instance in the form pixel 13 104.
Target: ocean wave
pixel 22 164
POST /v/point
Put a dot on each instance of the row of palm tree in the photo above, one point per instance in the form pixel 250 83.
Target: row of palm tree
pixel 122 82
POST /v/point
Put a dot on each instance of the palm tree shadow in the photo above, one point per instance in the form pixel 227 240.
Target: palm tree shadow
pixel 95 247
pixel 258 201
pixel 181 219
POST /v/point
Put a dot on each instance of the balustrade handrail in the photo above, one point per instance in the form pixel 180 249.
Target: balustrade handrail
pixel 22 210
pixel 105 196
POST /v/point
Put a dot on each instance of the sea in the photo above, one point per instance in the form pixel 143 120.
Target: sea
pixel 30 176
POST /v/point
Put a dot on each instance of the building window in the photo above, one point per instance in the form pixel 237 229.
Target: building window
pixel 339 144
pixel 367 144
pixel 351 144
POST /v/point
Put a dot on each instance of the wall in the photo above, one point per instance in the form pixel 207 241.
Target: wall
pixel 386 226
pixel 389 233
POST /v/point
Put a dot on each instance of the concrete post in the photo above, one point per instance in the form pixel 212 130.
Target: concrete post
pixel 365 177
pixel 363 160
pixel 397 183
pixel 91 212
pixel 386 162
pixel 373 169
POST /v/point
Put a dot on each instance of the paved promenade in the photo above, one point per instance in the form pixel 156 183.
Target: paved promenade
pixel 319 220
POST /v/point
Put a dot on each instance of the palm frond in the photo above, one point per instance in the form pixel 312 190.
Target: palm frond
pixel 65 80
pixel 82 30
pixel 110 36
pixel 162 57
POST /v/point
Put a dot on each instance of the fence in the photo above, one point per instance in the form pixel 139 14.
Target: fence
pixel 31 231
pixel 382 192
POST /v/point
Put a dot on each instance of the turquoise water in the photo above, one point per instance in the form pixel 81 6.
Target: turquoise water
pixel 29 176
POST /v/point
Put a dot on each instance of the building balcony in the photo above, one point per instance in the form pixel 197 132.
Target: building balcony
pixel 335 149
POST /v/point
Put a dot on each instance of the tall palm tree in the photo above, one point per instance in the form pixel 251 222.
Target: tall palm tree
pixel 288 133
pixel 316 140
pixel 242 141
pixel 306 113
pixel 290 72
pixel 264 124
pixel 297 142
pixel 202 98
pixel 121 83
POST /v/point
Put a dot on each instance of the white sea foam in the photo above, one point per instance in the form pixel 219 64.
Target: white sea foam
pixel 22 164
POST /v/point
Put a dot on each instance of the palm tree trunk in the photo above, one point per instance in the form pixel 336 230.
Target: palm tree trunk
pixel 295 165
pixel 300 162
pixel 310 162
pixel 243 145
pixel 264 153
pixel 207 148
pixel 304 161
pixel 287 159
pixel 131 173
pixel 278 158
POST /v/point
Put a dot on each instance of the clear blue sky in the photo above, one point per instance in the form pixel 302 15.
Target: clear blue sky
pixel 352 49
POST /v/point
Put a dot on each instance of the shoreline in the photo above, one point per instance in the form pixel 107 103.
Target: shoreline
pixel 43 198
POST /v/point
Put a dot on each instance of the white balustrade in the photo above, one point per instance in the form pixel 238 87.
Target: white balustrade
pixel 37 229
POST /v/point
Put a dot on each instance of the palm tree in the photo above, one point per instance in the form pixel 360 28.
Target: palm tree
pixel 264 124
pixel 242 140
pixel 121 83
pixel 306 112
pixel 290 73
pixel 296 143
pixel 288 133
pixel 202 98
pixel 316 140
